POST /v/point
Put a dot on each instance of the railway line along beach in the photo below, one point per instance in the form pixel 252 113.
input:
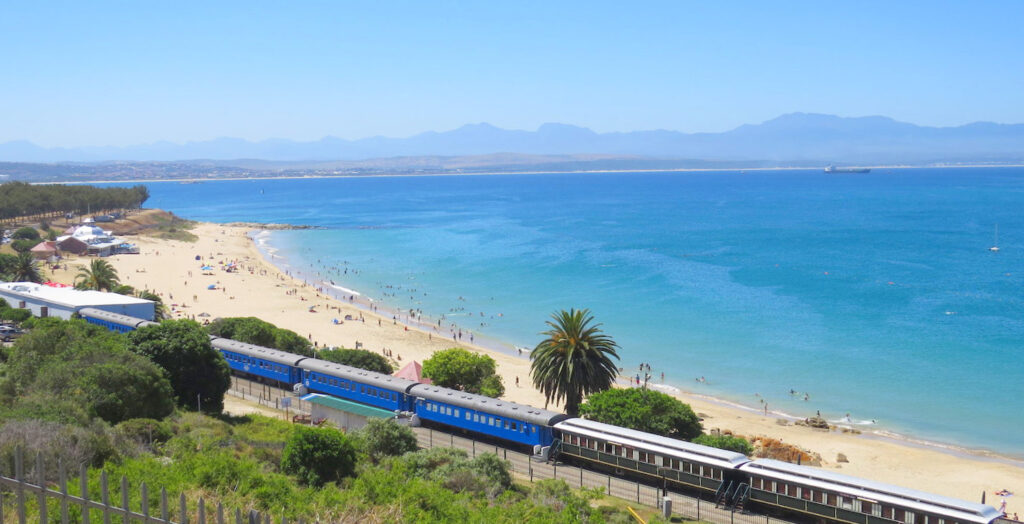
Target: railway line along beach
pixel 281 295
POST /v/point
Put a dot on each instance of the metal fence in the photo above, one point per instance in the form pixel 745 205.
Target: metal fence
pixel 34 496
pixel 265 395
pixel 527 468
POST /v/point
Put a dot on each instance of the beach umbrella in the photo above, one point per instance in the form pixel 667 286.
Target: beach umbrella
pixel 211 286
pixel 206 268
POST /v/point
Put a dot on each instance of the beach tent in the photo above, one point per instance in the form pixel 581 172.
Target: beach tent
pixel 413 371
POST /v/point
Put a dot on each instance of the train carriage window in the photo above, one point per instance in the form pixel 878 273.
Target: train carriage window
pixel 505 425
pixel 780 487
pixel 876 509
pixel 533 429
pixel 832 500
pixel 818 497
pixel 468 415
pixel 456 413
pixel 887 512
pixel 757 483
pixel 718 474
pixel 476 417
pixel 791 490
pixel 515 427
pixel 846 502
pixel 805 494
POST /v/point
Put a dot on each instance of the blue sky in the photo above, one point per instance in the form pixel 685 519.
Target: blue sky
pixel 100 73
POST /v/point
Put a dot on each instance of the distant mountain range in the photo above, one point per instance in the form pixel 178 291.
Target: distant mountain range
pixel 797 138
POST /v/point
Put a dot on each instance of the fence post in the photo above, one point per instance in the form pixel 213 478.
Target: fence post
pixel 144 493
pixel 41 480
pixel 18 474
pixel 555 468
pixel 163 505
pixel 105 496
pixel 202 511
pixel 581 477
pixel 637 492
pixel 83 483
pixel 609 485
pixel 474 449
pixel 124 499
pixel 531 473
pixel 184 509
pixel 698 508
pixel 220 513
pixel 431 433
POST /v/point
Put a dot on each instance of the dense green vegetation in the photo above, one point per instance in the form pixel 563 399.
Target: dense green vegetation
pixel 73 372
pixel 79 394
pixel 574 359
pixel 252 330
pixel 457 368
pixel 198 373
pixel 643 410
pixel 358 358
pixel 18 199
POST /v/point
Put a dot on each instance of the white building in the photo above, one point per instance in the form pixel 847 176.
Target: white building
pixel 46 301
pixel 100 242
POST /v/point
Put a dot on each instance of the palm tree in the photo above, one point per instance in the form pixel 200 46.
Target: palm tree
pixel 159 312
pixel 99 276
pixel 25 269
pixel 574 360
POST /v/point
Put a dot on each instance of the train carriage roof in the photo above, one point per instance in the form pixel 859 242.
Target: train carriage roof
pixel 361 376
pixel 116 318
pixel 494 406
pixel 254 351
pixel 872 491
pixel 661 445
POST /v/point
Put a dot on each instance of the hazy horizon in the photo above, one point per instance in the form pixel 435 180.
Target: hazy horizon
pixel 107 74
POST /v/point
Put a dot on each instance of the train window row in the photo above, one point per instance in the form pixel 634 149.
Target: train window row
pixel 355 388
pixel 262 363
pixel 846 502
pixel 644 456
pixel 489 420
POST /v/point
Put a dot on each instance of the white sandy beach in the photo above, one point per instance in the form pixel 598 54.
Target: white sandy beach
pixel 259 289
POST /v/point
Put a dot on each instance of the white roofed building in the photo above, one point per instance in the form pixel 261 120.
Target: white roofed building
pixel 46 301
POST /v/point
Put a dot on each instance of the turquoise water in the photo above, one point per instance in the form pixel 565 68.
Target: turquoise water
pixel 876 295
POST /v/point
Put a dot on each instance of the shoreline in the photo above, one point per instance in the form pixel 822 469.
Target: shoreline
pixel 498 173
pixel 488 343
pixel 264 290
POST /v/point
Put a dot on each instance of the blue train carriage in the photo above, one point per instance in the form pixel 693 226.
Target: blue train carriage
pixel 359 385
pixel 486 416
pixel 646 455
pixel 801 490
pixel 271 364
pixel 113 321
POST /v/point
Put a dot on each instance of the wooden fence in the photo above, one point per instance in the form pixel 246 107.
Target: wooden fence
pixel 82 508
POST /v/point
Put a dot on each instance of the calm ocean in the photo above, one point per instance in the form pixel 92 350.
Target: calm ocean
pixel 873 294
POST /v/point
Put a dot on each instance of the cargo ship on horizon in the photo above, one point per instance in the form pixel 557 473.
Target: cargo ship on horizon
pixel 834 169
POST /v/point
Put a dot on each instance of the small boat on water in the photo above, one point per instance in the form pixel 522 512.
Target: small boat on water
pixel 995 243
pixel 834 169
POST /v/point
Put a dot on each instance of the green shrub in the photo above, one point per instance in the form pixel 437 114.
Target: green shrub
pixel 643 410
pixel 145 430
pixel 385 437
pixel 15 314
pixel 729 442
pixel 358 358
pixel 318 456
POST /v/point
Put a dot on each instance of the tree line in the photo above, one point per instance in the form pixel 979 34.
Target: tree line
pixel 18 199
